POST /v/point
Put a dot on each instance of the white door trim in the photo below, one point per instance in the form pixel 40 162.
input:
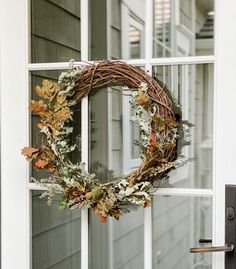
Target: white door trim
pixel 224 111
pixel 15 202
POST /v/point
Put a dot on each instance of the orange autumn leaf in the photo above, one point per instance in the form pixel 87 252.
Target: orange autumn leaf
pixel 153 139
pixel 103 219
pixel 41 164
pixel 30 153
pixel 38 106
pixel 41 125
pixel 153 142
pixel 64 114
pixel 147 204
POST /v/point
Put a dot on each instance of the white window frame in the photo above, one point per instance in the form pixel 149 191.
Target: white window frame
pixel 15 189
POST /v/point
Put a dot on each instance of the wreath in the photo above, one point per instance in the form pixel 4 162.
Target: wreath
pixel 159 133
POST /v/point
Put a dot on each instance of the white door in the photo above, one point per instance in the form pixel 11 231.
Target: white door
pixel 38 38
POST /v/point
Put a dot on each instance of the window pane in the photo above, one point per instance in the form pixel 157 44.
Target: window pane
pixel 106 139
pixel 117 244
pixel 183 28
pixel 55 235
pixel 117 29
pixel 192 87
pixel 37 78
pixel 178 224
pixel 55 30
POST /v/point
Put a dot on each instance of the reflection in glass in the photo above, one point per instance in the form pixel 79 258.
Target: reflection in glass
pixel 55 30
pixel 112 151
pixel 178 224
pixel 117 29
pixel 117 245
pixel 192 86
pixel 134 42
pixel 183 28
pixel 37 78
pixel 55 235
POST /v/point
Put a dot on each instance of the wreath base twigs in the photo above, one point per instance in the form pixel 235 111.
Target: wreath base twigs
pixel 159 130
pixel 117 73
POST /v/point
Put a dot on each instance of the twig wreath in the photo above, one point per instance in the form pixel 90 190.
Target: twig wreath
pixel 159 133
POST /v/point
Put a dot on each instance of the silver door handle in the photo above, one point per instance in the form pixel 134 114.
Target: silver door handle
pixel 226 248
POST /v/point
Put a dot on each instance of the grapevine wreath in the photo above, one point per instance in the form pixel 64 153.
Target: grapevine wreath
pixel 155 111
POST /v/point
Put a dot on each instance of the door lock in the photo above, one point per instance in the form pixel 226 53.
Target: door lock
pixel 230 213
pixel 230 231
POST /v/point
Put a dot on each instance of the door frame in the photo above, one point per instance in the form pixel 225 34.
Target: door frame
pixel 14 98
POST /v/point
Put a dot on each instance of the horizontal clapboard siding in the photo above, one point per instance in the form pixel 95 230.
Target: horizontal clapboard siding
pixel 56 236
pixel 55 30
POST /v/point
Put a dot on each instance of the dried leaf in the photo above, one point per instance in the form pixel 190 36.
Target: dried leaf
pixel 153 139
pixel 147 204
pixel 30 153
pixel 48 90
pixel 143 99
pixel 89 195
pixel 61 98
pixel 172 123
pixel 40 91
pixel 103 219
pixel 97 193
pixel 64 114
pixel 41 164
pixel 47 84
pixel 41 125
pixel 38 107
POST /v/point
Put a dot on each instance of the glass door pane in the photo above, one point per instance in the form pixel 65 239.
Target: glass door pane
pixel 117 29
pixel 192 87
pixel 55 235
pixel 183 28
pixel 55 30
pixel 116 244
pixel 178 224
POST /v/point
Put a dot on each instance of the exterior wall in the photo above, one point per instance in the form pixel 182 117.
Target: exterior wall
pixel 55 234
pixel 52 19
pixel 171 232
pixel 56 37
pixel 115 29
pixel 186 13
